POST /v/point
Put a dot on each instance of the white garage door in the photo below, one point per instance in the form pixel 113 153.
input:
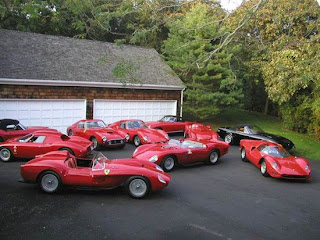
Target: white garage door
pixel 114 110
pixel 58 114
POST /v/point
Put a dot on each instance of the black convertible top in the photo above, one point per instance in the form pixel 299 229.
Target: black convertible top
pixel 5 122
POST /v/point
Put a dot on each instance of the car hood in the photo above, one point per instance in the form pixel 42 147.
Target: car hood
pixel 153 134
pixel 79 140
pixel 108 132
pixel 292 166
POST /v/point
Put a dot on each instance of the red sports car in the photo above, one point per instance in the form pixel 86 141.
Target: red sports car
pixel 139 133
pixel 58 168
pixel 41 142
pixel 273 160
pixel 169 124
pixel 96 131
pixel 183 152
pixel 199 131
pixel 10 128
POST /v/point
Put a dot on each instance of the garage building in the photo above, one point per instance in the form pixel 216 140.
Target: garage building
pixel 54 81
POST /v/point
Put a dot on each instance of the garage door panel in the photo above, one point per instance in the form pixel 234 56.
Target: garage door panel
pixel 115 110
pixel 58 114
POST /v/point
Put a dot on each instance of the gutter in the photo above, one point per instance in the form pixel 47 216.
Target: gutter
pixel 62 83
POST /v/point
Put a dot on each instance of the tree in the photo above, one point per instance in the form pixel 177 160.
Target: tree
pixel 211 85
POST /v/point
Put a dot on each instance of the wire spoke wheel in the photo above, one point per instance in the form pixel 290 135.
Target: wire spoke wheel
pixel 168 163
pixel 136 141
pixel 228 138
pixel 213 157
pixel 263 169
pixel 49 183
pixel 5 155
pixel 70 133
pixel 243 155
pixel 138 188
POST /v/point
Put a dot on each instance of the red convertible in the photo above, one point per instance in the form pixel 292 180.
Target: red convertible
pixel 10 128
pixel 54 169
pixel 199 131
pixel 96 131
pixel 41 142
pixel 273 160
pixel 169 124
pixel 139 133
pixel 183 152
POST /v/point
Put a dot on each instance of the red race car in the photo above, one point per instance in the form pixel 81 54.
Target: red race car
pixel 58 168
pixel 10 128
pixel 139 133
pixel 183 152
pixel 169 124
pixel 199 131
pixel 96 131
pixel 273 160
pixel 41 142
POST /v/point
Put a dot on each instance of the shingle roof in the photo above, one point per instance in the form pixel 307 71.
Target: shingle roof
pixel 26 55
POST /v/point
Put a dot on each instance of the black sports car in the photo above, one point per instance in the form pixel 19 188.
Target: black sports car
pixel 233 135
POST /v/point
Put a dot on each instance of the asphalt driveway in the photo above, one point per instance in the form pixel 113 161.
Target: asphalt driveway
pixel 230 200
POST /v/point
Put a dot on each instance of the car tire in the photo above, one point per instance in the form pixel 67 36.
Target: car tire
pixel 263 169
pixel 213 157
pixel 49 182
pixel 5 155
pixel 243 155
pixel 67 149
pixel 185 135
pixel 136 141
pixel 70 133
pixel 96 145
pixel 168 163
pixel 228 138
pixel 138 186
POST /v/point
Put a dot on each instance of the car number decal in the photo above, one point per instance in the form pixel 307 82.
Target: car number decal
pixel 106 171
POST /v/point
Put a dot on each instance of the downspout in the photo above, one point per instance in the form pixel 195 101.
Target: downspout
pixel 181 101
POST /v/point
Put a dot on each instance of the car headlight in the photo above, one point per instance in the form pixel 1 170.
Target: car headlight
pixel 153 158
pixel 161 180
pixel 159 168
pixel 127 137
pixel 104 138
pixel 306 167
pixel 146 139
pixel 274 165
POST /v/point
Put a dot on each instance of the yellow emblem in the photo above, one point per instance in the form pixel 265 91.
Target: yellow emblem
pixel 106 171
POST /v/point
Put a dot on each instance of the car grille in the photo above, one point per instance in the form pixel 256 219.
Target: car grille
pixel 294 176
pixel 116 141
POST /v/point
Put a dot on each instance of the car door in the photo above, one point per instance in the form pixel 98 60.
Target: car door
pixel 29 149
pixel 254 155
pixel 79 130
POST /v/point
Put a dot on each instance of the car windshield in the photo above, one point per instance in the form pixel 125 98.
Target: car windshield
pixel 186 144
pixel 168 119
pixel 275 151
pixel 136 124
pixel 252 129
pixel 95 124
pixel 99 162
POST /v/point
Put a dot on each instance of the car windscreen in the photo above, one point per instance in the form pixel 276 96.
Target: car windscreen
pixel 275 151
pixel 99 162
pixel 135 124
pixel 253 129
pixel 95 124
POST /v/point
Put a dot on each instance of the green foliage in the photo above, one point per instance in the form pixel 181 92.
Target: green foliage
pixel 211 85
pixel 125 70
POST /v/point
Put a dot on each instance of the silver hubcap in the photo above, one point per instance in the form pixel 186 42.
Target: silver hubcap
pixel 263 167
pixel 70 133
pixel 95 143
pixel 5 154
pixel 243 153
pixel 138 187
pixel 49 182
pixel 137 141
pixel 228 138
pixel 214 157
pixel 169 163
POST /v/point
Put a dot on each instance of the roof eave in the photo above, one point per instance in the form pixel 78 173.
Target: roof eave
pixel 63 83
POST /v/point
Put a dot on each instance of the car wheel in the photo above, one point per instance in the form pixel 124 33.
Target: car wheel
pixel 49 182
pixel 137 187
pixel 228 138
pixel 263 168
pixel 70 133
pixel 168 163
pixel 136 141
pixel 96 145
pixel 5 155
pixel 213 157
pixel 243 155
pixel 185 135
pixel 67 149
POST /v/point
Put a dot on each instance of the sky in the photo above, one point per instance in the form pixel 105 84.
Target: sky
pixel 233 4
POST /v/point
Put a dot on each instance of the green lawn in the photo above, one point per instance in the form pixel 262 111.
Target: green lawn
pixel 306 146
